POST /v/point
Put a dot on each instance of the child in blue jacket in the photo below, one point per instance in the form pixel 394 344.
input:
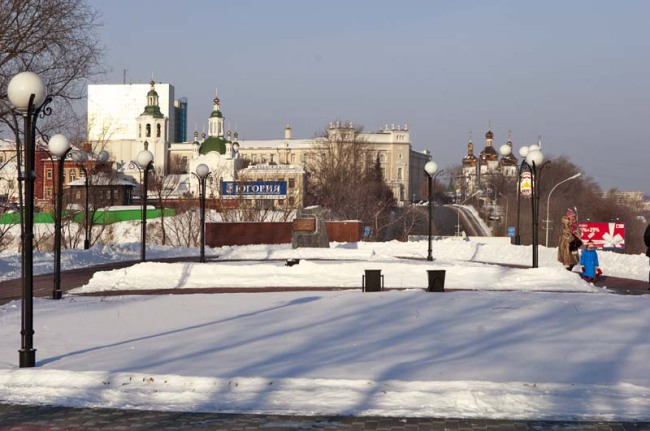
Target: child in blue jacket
pixel 589 262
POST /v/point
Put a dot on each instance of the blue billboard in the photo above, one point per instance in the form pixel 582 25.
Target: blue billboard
pixel 254 189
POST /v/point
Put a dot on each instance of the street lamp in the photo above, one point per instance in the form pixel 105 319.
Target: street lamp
pixel 81 157
pixel 28 95
pixel 144 161
pixel 548 202
pixel 430 168
pixel 202 172
pixel 59 146
pixel 534 160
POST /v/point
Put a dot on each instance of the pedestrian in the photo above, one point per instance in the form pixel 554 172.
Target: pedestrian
pixel 570 242
pixel 646 239
pixel 589 263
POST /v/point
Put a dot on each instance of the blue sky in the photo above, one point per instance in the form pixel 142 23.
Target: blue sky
pixel 575 72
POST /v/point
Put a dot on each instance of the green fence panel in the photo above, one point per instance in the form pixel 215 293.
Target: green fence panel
pixel 99 217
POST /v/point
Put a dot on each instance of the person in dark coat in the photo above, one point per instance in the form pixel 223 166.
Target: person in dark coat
pixel 646 239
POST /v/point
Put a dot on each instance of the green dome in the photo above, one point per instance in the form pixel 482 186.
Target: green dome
pixel 213 143
pixel 216 114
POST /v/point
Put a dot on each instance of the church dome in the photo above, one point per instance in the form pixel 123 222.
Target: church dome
pixel 489 153
pixel 213 143
pixel 489 134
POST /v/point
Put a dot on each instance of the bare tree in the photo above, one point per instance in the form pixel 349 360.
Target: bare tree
pixel 58 40
pixel 183 228
pixel 163 185
pixel 344 176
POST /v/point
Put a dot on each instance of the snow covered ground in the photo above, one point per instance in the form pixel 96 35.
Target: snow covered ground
pixel 519 343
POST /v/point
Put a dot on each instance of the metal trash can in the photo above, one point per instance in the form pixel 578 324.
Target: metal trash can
pixel 436 280
pixel 372 281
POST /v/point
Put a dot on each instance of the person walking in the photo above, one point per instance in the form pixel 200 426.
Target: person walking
pixel 570 242
pixel 646 239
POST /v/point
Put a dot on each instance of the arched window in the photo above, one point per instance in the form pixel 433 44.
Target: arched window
pixel 157 130
pixel 139 130
pixel 148 130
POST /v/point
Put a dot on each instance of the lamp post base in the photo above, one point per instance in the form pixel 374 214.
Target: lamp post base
pixel 517 240
pixel 57 294
pixel 27 358
pixel 86 244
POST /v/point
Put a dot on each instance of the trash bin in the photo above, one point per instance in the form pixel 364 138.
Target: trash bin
pixel 436 280
pixel 372 281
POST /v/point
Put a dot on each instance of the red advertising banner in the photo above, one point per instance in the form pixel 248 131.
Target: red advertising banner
pixel 608 236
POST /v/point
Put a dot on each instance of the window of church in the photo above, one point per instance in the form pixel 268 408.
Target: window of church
pixel 148 130
pixel 157 130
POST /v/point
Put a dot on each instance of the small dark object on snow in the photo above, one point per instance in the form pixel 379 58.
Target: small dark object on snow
pixel 292 262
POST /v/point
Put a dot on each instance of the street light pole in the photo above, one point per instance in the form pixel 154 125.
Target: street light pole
pixel 535 159
pixel 202 172
pixel 28 95
pixel 548 202
pixel 59 146
pixel 430 168
pixel 145 162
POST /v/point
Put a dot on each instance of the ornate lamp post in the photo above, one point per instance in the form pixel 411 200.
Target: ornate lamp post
pixel 28 95
pixel 202 172
pixel 534 160
pixel 59 146
pixel 430 168
pixel 144 161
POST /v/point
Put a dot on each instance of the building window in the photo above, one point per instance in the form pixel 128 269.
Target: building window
pixel 48 174
pixel 291 200
pixel 399 174
pixel 157 130
pixel 292 183
pixel 48 192
pixel 73 174
pixel 77 195
pixel 148 130
pixel 293 159
pixel 139 130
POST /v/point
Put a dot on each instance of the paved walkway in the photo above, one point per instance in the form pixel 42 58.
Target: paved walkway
pixel 41 418
pixel 33 418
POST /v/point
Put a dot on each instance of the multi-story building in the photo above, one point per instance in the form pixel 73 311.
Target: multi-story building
pixel 125 118
pixel 117 120
pixel 402 168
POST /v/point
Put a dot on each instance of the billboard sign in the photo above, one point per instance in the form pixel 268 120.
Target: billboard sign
pixel 526 184
pixel 607 236
pixel 254 189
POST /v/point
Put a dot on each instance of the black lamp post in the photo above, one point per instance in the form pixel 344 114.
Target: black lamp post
pixel 202 172
pixel 145 163
pixel 59 146
pixel 28 95
pixel 535 160
pixel 430 168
